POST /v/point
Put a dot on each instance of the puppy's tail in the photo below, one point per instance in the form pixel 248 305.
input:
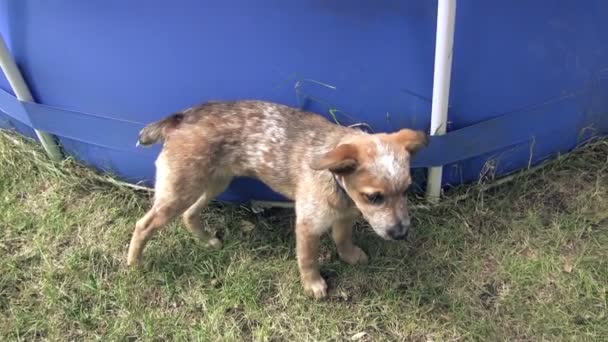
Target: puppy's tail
pixel 157 131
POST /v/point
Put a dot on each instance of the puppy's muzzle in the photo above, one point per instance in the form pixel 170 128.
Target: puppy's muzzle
pixel 398 231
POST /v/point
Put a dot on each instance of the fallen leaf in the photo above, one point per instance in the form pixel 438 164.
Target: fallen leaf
pixel 358 336
pixel 568 266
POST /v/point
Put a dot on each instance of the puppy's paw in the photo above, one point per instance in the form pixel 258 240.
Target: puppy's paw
pixel 353 256
pixel 214 243
pixel 315 287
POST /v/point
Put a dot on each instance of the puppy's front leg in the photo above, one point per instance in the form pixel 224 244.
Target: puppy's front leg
pixel 342 233
pixel 307 250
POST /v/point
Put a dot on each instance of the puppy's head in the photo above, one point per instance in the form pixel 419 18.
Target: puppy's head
pixel 375 172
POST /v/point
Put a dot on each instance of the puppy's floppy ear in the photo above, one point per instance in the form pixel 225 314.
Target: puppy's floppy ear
pixel 413 141
pixel 340 160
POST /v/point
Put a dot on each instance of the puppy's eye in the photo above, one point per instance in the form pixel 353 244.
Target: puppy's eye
pixel 375 198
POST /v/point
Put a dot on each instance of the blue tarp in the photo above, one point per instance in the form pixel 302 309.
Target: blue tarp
pixel 530 79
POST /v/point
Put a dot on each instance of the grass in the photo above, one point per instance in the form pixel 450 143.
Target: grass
pixel 525 261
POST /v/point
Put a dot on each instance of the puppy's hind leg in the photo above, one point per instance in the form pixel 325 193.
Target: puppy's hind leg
pixel 191 215
pixel 175 191
pixel 161 214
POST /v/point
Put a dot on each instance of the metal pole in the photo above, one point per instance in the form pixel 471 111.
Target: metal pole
pixel 446 17
pixel 14 77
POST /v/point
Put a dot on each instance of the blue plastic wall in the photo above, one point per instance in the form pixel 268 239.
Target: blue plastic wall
pixel 104 68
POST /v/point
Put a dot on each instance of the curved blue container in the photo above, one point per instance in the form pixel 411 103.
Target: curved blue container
pixel 530 78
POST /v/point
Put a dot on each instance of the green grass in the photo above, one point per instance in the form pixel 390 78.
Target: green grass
pixel 525 261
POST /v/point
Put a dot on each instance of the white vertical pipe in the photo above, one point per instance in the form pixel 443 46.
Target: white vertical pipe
pixel 446 17
pixel 14 77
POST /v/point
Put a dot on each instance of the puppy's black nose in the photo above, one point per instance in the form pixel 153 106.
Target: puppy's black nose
pixel 398 232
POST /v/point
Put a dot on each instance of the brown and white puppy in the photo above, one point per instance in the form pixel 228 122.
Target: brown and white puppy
pixel 332 172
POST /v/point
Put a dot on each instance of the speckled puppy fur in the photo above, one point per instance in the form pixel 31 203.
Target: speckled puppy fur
pixel 333 174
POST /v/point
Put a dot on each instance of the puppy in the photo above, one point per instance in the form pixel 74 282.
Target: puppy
pixel 332 173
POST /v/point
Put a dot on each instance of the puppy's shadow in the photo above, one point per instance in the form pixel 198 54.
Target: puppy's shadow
pixel 395 269
pixel 263 236
pixel 407 269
